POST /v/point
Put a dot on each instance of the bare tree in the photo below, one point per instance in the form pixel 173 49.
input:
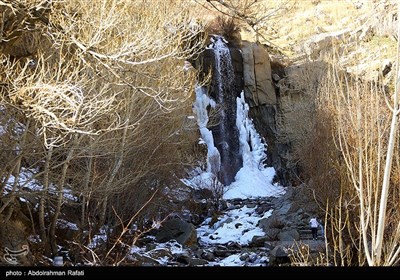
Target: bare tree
pixel 365 131
pixel 255 15
pixel 106 88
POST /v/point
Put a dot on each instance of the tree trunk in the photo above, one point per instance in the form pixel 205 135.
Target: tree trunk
pixel 60 196
pixel 43 200
pixel 16 171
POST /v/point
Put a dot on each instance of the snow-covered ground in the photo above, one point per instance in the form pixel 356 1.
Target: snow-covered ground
pixel 237 225
pixel 26 182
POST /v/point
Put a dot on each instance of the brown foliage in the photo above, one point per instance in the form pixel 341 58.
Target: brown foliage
pixel 225 26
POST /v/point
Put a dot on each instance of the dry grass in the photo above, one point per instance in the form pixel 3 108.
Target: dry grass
pixel 300 255
pixel 306 18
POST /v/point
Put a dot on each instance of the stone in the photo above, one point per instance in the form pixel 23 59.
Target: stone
pixel 322 43
pixel 233 245
pixel 208 256
pixel 183 258
pixel 197 262
pixel 226 221
pixel 289 235
pixel 271 234
pixel 198 253
pixel 258 241
pixel 261 209
pixel 159 253
pixel 142 260
pixel 179 230
pixel 250 87
pixel 244 257
pixel 262 69
pixel 279 255
pixel 257 75
pixel 276 77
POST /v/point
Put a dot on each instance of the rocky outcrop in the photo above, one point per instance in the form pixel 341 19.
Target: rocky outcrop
pixel 277 103
pixel 264 105
pixel 257 75
pixel 281 99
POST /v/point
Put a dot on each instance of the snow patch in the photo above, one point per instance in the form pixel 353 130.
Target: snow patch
pixel 64 224
pixel 238 225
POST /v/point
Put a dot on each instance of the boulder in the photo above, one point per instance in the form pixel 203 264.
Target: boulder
pixel 176 229
pixel 197 262
pixel 208 256
pixel 259 241
pixel 279 255
pixel 289 235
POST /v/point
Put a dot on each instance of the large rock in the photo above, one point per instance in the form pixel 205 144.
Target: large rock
pixel 257 74
pixel 289 235
pixel 176 229
pixel 279 255
pixel 264 104
pixel 322 43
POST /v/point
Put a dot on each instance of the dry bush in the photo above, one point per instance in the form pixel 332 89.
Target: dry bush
pixel 106 95
pixel 227 27
pixel 356 144
pixel 300 255
pixel 255 17
pixel 343 156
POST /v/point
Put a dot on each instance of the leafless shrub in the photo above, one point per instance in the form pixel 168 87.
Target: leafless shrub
pixel 300 255
pixel 103 91
pixel 226 27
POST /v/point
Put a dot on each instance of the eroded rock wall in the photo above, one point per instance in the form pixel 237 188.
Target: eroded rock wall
pixel 278 104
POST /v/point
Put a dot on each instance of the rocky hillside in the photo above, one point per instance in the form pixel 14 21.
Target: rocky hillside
pixel 357 37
